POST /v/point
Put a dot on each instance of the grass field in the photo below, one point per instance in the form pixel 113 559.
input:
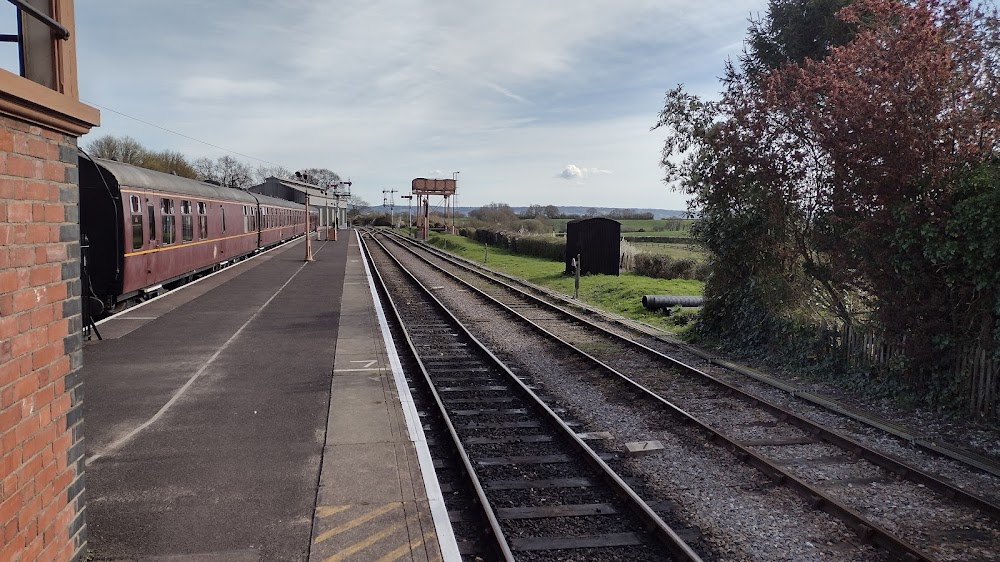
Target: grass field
pixel 620 294
pixel 675 251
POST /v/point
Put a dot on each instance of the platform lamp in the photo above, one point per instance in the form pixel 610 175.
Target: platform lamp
pixel 309 251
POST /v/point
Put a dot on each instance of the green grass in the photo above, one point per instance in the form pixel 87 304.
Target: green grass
pixel 675 251
pixel 621 294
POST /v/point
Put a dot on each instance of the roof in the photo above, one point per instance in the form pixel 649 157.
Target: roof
pixel 133 176
pixel 142 178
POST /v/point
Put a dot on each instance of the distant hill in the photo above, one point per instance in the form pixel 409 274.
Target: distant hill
pixel 657 213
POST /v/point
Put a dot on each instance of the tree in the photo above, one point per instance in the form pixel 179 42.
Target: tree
pixel 262 172
pixel 123 149
pixel 551 211
pixel 169 162
pixel 320 176
pixel 793 31
pixel 833 179
pixel 357 206
pixel 233 173
pixel 533 212
pixel 495 213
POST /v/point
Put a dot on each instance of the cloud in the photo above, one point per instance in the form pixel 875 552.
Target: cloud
pixel 213 88
pixel 574 172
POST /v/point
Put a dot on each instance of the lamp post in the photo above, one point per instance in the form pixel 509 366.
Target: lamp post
pixel 309 251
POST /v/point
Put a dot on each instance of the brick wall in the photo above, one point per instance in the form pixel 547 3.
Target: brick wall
pixel 41 467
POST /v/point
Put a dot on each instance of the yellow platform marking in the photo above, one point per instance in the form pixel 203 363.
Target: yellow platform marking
pixel 399 552
pixel 331 510
pixel 357 521
pixel 361 545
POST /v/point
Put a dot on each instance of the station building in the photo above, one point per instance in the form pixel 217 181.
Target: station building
pixel 42 509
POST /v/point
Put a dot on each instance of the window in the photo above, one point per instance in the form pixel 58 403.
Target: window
pixel 137 240
pixel 169 221
pixel 202 220
pixel 246 218
pixel 134 205
pixel 38 76
pixel 223 212
pixel 151 213
pixel 187 222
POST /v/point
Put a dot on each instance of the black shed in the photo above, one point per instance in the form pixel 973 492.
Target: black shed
pixel 598 241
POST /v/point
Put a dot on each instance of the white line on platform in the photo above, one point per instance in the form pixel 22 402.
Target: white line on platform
pixel 435 499
pixel 359 370
pixel 193 378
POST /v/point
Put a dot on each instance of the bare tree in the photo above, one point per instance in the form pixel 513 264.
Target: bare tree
pixel 123 149
pixel 321 176
pixel 204 169
pixel 233 173
pixel 262 172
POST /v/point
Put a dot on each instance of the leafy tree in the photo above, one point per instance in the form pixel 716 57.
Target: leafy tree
pixel 835 175
pixel 795 30
pixel 551 211
pixel 170 162
pixel 495 213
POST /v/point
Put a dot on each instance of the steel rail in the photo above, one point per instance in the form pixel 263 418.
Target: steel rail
pixel 833 437
pixel 866 529
pixel 653 523
pixel 943 449
pixel 499 545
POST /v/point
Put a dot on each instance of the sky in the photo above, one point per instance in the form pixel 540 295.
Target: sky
pixel 532 101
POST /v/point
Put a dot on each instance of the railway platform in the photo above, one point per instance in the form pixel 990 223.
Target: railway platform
pixel 258 414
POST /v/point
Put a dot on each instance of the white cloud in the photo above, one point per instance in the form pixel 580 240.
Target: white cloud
pixel 574 172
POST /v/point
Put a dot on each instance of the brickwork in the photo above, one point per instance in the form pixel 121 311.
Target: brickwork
pixel 41 467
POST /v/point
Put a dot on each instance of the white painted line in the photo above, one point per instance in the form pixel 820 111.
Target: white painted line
pixel 359 370
pixel 435 499
pixel 367 362
pixel 138 318
pixel 193 378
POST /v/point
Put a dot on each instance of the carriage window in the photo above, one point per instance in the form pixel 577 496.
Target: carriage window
pixel 223 210
pixel 202 220
pixel 187 223
pixel 134 205
pixel 137 232
pixel 246 218
pixel 169 221
pixel 151 213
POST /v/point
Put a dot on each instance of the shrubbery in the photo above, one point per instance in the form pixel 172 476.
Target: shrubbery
pixel 544 247
pixel 665 267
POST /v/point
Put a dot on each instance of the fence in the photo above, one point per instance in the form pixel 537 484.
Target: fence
pixel 977 370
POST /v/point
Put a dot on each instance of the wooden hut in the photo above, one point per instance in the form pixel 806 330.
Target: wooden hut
pixel 598 241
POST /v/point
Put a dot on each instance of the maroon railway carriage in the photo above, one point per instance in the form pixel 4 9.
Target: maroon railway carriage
pixel 147 229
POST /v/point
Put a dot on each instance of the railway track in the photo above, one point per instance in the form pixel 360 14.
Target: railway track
pixel 538 491
pixel 930 519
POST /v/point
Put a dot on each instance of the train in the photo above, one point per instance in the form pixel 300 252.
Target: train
pixel 144 231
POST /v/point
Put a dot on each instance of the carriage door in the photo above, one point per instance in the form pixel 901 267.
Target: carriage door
pixel 152 241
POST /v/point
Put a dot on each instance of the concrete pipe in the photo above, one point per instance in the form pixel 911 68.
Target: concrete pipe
pixel 656 302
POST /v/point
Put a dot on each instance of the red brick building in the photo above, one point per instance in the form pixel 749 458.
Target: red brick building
pixel 42 512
